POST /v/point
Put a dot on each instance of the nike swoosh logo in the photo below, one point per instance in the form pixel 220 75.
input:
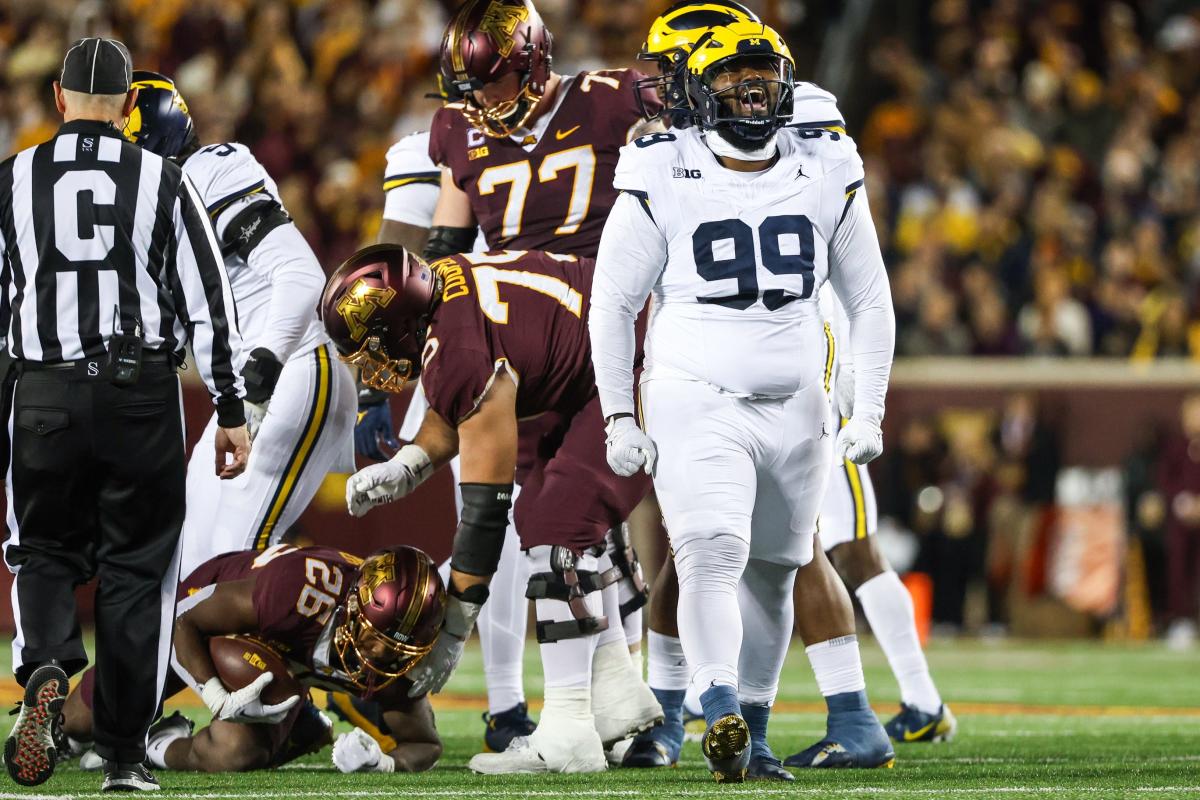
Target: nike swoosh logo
pixel 561 134
pixel 912 736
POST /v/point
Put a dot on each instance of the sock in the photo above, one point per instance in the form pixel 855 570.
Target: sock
pixel 837 665
pixel 756 717
pixel 156 749
pixel 568 702
pixel 612 670
pixel 501 628
pixel 691 701
pixel 632 625
pixel 719 701
pixel 667 668
pixel 889 610
pixel 671 730
pixel 505 687
pixel 611 598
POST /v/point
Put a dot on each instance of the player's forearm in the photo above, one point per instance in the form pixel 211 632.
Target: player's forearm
pixel 437 439
pixel 415 756
pixel 296 283
pixel 613 344
pixel 191 651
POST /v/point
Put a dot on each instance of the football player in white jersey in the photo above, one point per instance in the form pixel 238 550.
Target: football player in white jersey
pixel 300 398
pixel 849 520
pixel 734 224
pixel 411 186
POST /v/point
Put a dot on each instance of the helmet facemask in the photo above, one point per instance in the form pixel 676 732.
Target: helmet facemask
pixel 506 117
pixel 370 659
pixel 746 111
pixel 378 370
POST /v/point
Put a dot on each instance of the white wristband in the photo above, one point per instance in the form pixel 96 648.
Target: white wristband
pixel 214 694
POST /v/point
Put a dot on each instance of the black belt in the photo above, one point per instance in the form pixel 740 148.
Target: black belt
pixel 92 368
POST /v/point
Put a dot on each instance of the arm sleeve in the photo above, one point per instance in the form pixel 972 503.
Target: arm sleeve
pixel 284 258
pixel 858 275
pixel 204 302
pixel 632 254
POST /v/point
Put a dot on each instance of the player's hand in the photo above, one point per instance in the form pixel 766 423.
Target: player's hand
pixel 860 441
pixel 356 751
pixel 843 392
pixel 245 705
pixel 233 442
pixel 374 427
pixel 389 481
pixel 629 448
pixel 254 418
pixel 431 674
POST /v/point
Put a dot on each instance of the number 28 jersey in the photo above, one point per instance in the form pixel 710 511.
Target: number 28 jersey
pixel 735 304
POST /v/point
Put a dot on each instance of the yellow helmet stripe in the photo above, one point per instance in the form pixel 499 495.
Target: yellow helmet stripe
pixel 154 84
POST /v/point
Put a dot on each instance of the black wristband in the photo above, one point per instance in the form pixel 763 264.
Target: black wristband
pixel 481 528
pixel 260 375
pixel 230 412
pixel 447 241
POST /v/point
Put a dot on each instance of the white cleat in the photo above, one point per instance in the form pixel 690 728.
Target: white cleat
pixel 90 762
pixel 622 703
pixel 560 744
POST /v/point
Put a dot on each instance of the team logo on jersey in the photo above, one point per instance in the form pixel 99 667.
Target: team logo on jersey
pixel 500 22
pixel 681 172
pixel 360 303
pixel 478 152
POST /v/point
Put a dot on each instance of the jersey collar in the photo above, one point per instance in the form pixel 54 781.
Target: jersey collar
pixel 90 126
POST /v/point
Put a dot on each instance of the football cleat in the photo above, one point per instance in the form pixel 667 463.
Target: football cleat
pixel 726 749
pixel 622 704
pixel 767 768
pixel 502 728
pixel 914 725
pixel 649 750
pixel 30 753
pixel 174 727
pixel 90 761
pixel 560 744
pixel 853 738
pixel 128 778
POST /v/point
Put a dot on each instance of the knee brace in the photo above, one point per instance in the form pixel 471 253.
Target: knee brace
pixel 567 583
pixel 634 592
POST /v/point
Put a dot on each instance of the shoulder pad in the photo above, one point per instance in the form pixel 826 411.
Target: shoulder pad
pixel 224 173
pixel 814 107
pixel 408 162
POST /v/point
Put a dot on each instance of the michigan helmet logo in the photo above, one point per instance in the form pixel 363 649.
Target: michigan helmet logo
pixel 360 303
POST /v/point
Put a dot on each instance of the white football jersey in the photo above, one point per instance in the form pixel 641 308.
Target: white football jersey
pixel 814 107
pixel 229 179
pixel 735 305
pixel 412 183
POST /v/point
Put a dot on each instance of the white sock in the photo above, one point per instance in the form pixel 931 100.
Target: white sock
pixel 569 702
pixel 668 669
pixel 889 610
pixel 611 598
pixel 633 630
pixel 710 621
pixel 613 671
pixel 156 749
pixel 837 665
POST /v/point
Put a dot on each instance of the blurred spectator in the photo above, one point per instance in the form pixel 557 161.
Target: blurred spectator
pixel 1146 517
pixel 1179 482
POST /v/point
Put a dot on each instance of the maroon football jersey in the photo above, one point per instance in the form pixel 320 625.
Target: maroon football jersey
pixel 550 188
pixel 524 312
pixel 296 591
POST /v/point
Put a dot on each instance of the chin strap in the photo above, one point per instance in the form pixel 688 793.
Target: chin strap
pixel 721 147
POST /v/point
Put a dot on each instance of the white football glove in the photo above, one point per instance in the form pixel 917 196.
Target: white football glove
pixel 245 705
pixel 843 392
pixel 431 674
pixel 387 482
pixel 860 441
pixel 356 751
pixel 629 448
pixel 254 417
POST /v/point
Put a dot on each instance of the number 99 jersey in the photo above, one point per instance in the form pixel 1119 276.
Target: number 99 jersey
pixel 744 256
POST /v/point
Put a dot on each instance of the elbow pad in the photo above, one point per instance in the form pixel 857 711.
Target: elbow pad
pixel 446 241
pixel 480 536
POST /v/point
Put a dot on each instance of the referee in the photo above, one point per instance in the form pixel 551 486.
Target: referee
pixel 110 268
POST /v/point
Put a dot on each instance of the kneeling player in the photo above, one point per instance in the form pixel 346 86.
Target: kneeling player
pixel 498 337
pixel 341 623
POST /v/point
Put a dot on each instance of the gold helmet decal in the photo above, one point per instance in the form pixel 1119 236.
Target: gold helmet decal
pixel 360 303
pixel 500 22
pixel 374 572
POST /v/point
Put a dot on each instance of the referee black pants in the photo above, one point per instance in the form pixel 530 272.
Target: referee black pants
pixel 96 488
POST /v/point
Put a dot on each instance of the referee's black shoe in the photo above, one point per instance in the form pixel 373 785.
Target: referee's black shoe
pixel 128 778
pixel 29 753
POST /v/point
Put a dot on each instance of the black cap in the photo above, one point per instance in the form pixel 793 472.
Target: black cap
pixel 97 66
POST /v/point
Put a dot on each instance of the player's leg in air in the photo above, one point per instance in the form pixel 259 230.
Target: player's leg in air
pixel 849 518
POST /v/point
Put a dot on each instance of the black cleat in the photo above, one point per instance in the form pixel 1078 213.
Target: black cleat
pixel 502 728
pixel 128 778
pixel 726 748
pixel 767 768
pixel 646 752
pixel 30 754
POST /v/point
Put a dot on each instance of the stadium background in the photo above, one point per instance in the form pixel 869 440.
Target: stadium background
pixel 1034 173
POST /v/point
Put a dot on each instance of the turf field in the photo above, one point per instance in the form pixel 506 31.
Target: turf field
pixel 1036 720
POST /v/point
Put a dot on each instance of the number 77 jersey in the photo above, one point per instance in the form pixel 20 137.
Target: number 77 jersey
pixel 742 255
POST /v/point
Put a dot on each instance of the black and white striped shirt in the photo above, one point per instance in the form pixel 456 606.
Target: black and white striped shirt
pixel 99 237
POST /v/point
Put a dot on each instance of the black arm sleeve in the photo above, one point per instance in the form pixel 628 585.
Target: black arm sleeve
pixel 480 536
pixel 251 226
pixel 446 241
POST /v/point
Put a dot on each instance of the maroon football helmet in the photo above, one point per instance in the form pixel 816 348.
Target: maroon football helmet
pixel 486 40
pixel 376 308
pixel 391 618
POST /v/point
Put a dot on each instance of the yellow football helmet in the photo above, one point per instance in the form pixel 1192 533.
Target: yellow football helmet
pixel 746 110
pixel 672 36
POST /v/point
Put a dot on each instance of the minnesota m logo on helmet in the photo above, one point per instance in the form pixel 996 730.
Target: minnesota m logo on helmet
pixel 500 22
pixel 357 306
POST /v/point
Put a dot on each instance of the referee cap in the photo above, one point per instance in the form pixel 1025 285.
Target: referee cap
pixel 97 66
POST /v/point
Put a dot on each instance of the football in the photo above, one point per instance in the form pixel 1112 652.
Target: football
pixel 239 660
